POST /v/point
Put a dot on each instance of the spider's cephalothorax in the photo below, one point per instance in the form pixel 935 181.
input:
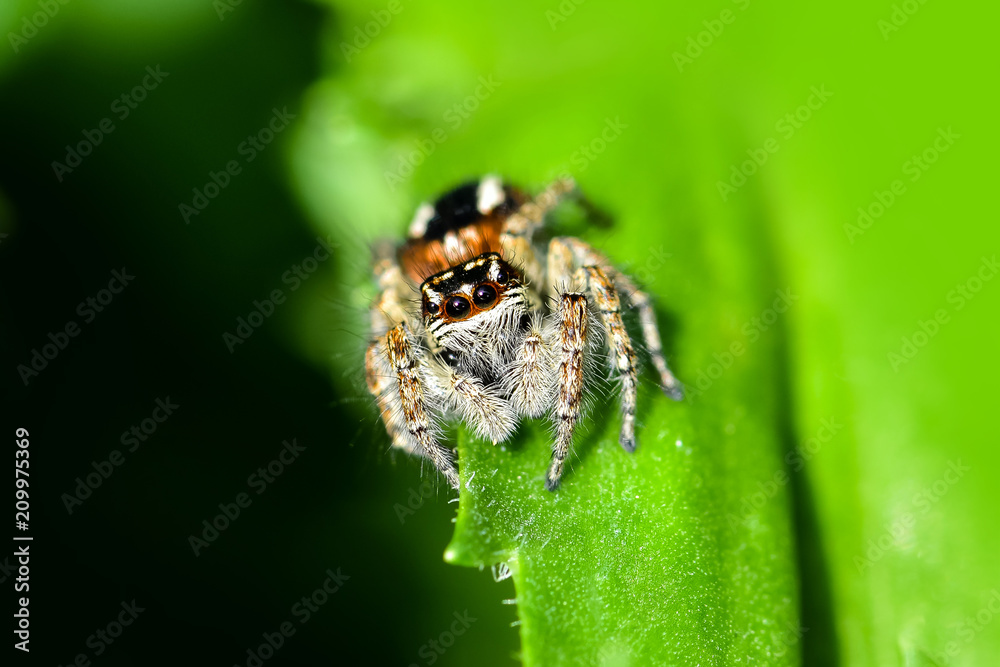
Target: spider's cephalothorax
pixel 499 333
pixel 473 312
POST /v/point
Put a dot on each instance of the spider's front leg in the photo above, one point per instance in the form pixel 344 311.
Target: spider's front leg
pixel 404 362
pixel 565 266
pixel 393 371
pixel 382 385
pixel 572 346
pixel 387 309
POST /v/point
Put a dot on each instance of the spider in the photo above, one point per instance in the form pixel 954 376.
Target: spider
pixel 498 334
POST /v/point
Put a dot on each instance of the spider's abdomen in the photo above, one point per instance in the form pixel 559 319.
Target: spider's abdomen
pixel 461 225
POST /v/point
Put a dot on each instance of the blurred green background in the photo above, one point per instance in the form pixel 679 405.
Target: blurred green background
pixel 897 556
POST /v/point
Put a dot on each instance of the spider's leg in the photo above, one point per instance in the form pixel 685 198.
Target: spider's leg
pixel 519 228
pixel 572 343
pixel 404 361
pixel 585 255
pixel 391 356
pixel 382 386
pixel 531 215
pixel 390 306
pixel 387 309
pixel 669 383
pixel 622 356
pixel 569 346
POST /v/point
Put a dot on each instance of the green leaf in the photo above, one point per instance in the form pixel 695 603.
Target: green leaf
pixel 682 551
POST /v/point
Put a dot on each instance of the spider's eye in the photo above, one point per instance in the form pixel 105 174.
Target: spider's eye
pixel 451 358
pixel 432 307
pixel 484 296
pixel 502 276
pixel 457 307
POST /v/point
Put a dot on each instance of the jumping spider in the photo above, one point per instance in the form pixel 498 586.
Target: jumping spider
pixel 498 335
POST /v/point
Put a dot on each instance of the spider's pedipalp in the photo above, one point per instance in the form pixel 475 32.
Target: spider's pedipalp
pixel 480 405
pixel 528 380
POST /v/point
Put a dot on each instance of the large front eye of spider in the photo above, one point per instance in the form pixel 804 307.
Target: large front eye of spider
pixel 457 307
pixel 484 295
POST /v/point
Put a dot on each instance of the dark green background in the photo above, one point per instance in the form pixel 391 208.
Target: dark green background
pixel 162 336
